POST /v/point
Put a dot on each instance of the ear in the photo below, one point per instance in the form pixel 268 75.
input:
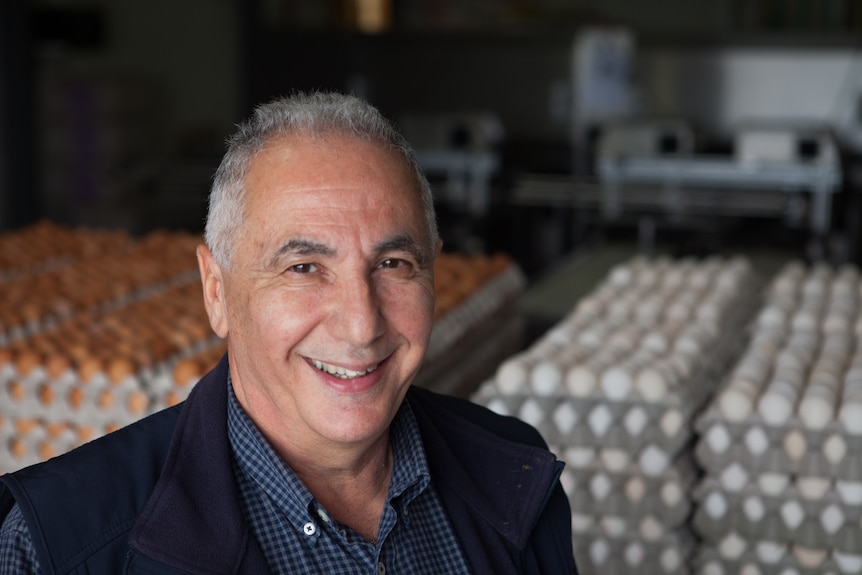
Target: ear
pixel 213 286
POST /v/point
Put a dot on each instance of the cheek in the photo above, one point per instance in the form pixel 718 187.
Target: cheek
pixel 412 308
pixel 274 319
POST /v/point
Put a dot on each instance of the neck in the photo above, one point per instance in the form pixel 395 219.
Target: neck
pixel 353 491
pixel 369 465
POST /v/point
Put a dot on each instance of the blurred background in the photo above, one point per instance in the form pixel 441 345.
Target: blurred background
pixel 546 125
pixel 650 212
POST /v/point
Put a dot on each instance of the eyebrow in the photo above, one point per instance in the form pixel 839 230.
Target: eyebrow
pixel 306 247
pixel 301 247
pixel 403 243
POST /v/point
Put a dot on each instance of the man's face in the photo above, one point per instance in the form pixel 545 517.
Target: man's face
pixel 328 303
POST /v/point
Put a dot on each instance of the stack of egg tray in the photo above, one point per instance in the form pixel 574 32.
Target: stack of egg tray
pixel 499 286
pixel 481 329
pixel 90 338
pixel 45 414
pixel 615 388
pixel 782 441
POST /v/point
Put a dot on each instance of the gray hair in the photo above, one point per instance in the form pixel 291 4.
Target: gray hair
pixel 305 115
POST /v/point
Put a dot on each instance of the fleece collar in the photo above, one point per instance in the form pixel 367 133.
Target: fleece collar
pixel 504 480
pixel 193 520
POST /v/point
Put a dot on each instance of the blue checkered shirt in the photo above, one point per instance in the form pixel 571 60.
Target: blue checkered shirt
pixel 17 553
pixel 297 535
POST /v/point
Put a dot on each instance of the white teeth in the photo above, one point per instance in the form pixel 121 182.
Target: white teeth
pixel 339 371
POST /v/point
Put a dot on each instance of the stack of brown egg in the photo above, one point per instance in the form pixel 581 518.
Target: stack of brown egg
pixel 470 289
pixel 84 339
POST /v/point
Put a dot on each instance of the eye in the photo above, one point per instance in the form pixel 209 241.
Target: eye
pixel 393 263
pixel 303 268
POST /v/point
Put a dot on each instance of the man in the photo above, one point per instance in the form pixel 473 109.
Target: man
pixel 306 450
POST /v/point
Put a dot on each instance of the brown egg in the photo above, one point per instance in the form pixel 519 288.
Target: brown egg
pixel 84 433
pixel 27 360
pixel 54 430
pixel 145 358
pixel 186 371
pixel 172 398
pixel 198 331
pixel 56 364
pixel 180 339
pixel 42 343
pixel 75 398
pixel 119 369
pixel 137 402
pixel 17 447
pixel 25 425
pixel 17 391
pixel 45 450
pixel 78 351
pixel 46 394
pixel 88 368
pixel 31 311
pixel 105 400
pixel 162 349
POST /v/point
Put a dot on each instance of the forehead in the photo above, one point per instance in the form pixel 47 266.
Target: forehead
pixel 330 161
pixel 309 183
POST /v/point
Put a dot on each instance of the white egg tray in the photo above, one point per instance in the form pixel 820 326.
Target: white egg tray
pixel 768 558
pixel 100 402
pixel 625 425
pixel 487 300
pixel 598 554
pixel 626 499
pixel 615 387
pixel 822 513
pixel 721 440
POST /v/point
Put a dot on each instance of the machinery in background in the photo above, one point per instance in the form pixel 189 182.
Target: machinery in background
pixel 651 173
pixel 784 171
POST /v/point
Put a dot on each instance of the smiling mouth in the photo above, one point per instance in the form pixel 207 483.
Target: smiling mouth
pixel 341 372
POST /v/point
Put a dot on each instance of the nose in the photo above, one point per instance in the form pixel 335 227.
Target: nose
pixel 359 316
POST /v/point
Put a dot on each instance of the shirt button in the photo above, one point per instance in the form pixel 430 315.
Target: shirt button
pixel 323 515
pixel 309 528
pixel 381 568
